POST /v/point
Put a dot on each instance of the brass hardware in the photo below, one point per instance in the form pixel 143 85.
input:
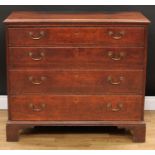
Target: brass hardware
pixel 42 54
pixel 36 36
pixel 118 108
pixel 35 81
pixel 37 108
pixel 110 80
pixel 116 35
pixel 116 57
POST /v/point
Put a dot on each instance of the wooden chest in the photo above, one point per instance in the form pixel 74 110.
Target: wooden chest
pixel 81 69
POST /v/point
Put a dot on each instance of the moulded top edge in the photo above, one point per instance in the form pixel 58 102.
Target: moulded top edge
pixel 89 17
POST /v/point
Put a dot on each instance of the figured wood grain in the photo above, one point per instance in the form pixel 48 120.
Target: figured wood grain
pixel 77 35
pixel 76 58
pixel 76 78
pixel 77 108
pixel 76 82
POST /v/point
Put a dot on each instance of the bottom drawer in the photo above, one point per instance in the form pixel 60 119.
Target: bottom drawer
pixel 74 108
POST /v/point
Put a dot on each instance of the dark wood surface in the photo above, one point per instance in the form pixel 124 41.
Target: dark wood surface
pixel 137 128
pixel 76 72
pixel 82 107
pixel 103 36
pixel 76 58
pixel 76 82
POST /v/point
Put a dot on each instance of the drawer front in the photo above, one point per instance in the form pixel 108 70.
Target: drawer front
pixel 106 36
pixel 76 82
pixel 79 58
pixel 76 108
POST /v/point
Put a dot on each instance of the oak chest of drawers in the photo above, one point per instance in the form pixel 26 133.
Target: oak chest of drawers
pixel 82 69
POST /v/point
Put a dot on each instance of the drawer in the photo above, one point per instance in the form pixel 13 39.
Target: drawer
pixel 68 108
pixel 106 36
pixel 76 82
pixel 77 58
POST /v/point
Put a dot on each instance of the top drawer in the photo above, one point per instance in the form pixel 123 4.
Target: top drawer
pixel 105 36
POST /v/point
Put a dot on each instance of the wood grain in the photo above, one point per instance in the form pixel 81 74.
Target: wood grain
pixel 76 82
pixel 78 138
pixel 104 17
pixel 76 58
pixel 77 108
pixel 77 36
pixel 127 31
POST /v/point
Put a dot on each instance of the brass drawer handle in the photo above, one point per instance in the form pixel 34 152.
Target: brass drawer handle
pixel 36 81
pixel 118 107
pixel 42 55
pixel 36 36
pixel 116 35
pixel 37 108
pixel 110 80
pixel 116 57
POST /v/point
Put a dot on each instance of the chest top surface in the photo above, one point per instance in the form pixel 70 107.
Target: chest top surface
pixel 82 17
